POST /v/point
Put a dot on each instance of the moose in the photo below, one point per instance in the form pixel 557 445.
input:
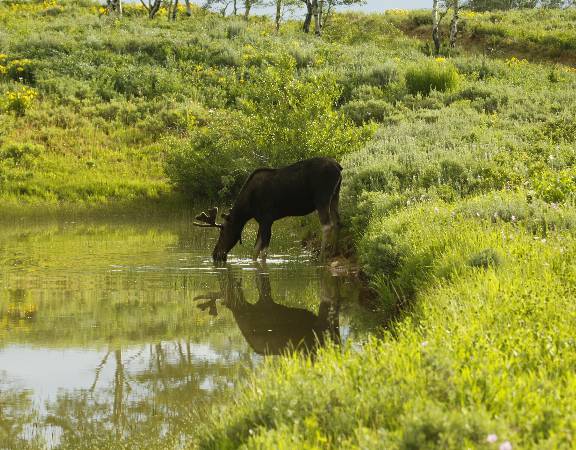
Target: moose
pixel 271 328
pixel 271 194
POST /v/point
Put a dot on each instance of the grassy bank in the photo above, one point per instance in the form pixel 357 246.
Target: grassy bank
pixel 487 348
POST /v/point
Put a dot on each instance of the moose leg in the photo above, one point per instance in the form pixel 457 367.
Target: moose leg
pixel 263 240
pixel 326 223
pixel 335 217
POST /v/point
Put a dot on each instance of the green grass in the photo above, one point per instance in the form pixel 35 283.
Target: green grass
pixel 484 350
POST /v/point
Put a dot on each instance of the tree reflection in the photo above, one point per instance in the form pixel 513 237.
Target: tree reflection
pixel 271 328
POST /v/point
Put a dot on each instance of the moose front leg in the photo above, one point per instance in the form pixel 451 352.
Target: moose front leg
pixel 327 228
pixel 262 240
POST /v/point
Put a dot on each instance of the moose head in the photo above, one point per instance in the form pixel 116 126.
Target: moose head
pixel 229 233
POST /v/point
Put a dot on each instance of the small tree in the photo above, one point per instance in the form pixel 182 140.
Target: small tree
pixel 188 8
pixel 114 6
pixel 321 11
pixel 327 8
pixel 152 7
pixel 440 8
pixel 172 7
pixel 222 5
pixel 283 7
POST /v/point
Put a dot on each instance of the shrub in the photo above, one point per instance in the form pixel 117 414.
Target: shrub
pixel 21 154
pixel 431 75
pixel 235 29
pixel 22 70
pixel 282 119
pixel 362 111
pixel 380 75
pixel 19 100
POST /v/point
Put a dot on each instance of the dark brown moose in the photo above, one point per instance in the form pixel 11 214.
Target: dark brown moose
pixel 271 328
pixel 271 194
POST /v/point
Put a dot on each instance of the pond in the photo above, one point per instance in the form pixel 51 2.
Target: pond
pixel 125 330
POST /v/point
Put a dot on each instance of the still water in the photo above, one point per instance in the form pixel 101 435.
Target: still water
pixel 125 331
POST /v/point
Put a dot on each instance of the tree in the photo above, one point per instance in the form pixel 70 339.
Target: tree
pixel 321 11
pixel 440 8
pixel 283 7
pixel 153 7
pixel 489 5
pixel 327 8
pixel 188 8
pixel 114 6
pixel 222 5
pixel 454 23
pixel 172 7
pixel 249 4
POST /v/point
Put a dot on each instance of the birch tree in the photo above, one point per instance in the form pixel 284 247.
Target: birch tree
pixel 439 10
pixel 454 23
pixel 188 8
pixel 114 6
pixel 282 8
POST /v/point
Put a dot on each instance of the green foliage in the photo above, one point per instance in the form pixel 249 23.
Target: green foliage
pixel 19 100
pixel 431 75
pixel 362 111
pixel 281 118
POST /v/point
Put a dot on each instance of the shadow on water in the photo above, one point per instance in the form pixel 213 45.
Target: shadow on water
pixel 271 328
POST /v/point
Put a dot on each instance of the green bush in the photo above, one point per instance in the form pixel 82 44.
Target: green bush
pixel 235 29
pixel 21 154
pixel 431 75
pixel 281 119
pixel 362 111
pixel 22 70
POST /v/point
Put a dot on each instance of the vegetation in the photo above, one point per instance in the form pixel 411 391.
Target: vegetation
pixel 459 195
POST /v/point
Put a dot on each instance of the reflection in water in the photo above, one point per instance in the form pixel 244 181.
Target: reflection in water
pixel 271 328
pixel 101 340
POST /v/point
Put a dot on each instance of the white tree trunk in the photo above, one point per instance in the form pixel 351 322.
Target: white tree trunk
pixel 435 26
pixel 454 24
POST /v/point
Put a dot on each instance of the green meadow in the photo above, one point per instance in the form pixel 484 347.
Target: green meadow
pixel 458 196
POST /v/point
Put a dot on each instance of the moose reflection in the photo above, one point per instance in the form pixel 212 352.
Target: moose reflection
pixel 271 328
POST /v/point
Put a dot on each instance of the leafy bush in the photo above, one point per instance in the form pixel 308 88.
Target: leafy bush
pixel 380 75
pixel 369 110
pixel 19 100
pixel 282 119
pixel 22 70
pixel 431 75
pixel 235 29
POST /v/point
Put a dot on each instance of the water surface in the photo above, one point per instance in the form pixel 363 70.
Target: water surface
pixel 125 331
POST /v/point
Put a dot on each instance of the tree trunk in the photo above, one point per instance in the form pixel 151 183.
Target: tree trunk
pixel 278 17
pixel 308 18
pixel 154 9
pixel 247 6
pixel 115 6
pixel 235 8
pixel 169 9
pixel 316 13
pixel 435 26
pixel 454 24
pixel 175 10
pixel 188 8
